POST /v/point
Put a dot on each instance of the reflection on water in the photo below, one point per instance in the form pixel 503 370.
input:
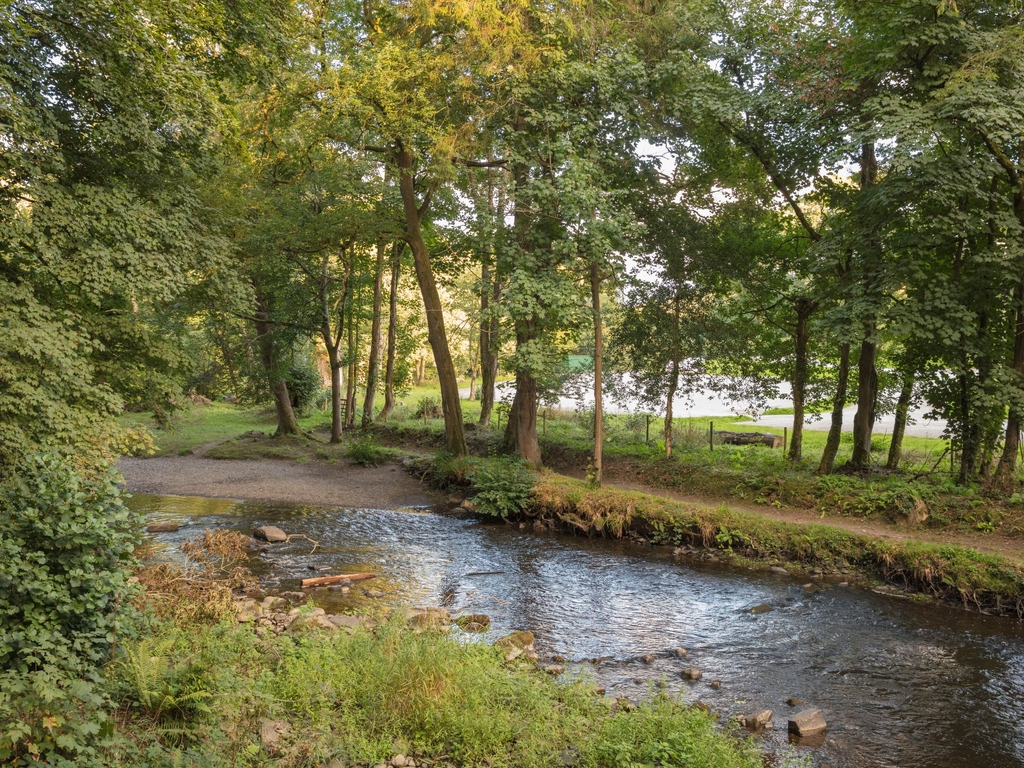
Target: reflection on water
pixel 901 684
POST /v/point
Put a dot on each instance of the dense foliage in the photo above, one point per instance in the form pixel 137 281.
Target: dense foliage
pixel 66 548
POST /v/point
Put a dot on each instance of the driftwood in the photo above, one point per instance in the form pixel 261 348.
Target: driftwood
pixel 750 438
pixel 320 581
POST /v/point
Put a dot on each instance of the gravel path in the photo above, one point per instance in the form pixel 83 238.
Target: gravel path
pixel 314 482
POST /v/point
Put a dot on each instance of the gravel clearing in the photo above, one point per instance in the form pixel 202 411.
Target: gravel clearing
pixel 343 485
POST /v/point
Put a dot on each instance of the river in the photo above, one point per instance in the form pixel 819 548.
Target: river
pixel 901 684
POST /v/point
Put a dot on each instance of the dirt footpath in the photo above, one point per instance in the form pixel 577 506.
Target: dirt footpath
pixel 343 485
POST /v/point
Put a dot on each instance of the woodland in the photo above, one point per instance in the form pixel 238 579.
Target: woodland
pixel 319 205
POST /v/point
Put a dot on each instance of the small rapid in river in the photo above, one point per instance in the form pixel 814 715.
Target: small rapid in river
pixel 901 684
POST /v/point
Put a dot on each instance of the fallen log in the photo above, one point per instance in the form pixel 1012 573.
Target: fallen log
pixel 320 581
pixel 750 438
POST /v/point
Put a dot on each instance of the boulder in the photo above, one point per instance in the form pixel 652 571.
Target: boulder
pixel 647 658
pixel 553 669
pixel 807 722
pixel 692 674
pixel 271 732
pixel 521 640
pixel 428 618
pixel 679 653
pixel 474 622
pixel 309 621
pixel 347 622
pixel 246 610
pixel 270 533
pixel 762 608
pixel 779 570
pixel 757 721
pixel 468 505
pixel 162 528
pixel 272 602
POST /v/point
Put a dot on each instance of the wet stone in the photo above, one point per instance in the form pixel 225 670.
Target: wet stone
pixel 692 674
pixel 807 722
pixel 270 533
pixel 757 721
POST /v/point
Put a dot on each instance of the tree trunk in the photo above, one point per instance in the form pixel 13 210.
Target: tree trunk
pixel 673 385
pixel 451 406
pixel 835 430
pixel 864 418
pixel 595 298
pixel 521 431
pixel 867 378
pixel 1011 443
pixel 389 374
pixel 488 341
pixel 804 307
pixel 900 424
pixel 350 387
pixel 374 362
pixel 286 421
pixel 336 407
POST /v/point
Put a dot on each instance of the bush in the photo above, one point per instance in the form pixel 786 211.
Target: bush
pixel 365 452
pixel 428 407
pixel 66 546
pixel 503 487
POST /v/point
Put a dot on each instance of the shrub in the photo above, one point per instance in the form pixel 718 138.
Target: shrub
pixel 428 407
pixel 66 545
pixel 503 487
pixel 365 452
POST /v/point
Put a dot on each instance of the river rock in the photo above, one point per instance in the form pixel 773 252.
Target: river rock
pixel 517 644
pixel 793 701
pixel 553 669
pixel 779 570
pixel 271 732
pixel 762 608
pixel 246 609
pixel 714 685
pixel 692 674
pixel 346 622
pixel 271 534
pixel 468 505
pixel 522 640
pixel 679 653
pixel 757 721
pixel 428 618
pixel 807 722
pixel 162 528
pixel 272 602
pixel 474 622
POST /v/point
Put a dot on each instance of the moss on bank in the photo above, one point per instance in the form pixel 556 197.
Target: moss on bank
pixel 946 572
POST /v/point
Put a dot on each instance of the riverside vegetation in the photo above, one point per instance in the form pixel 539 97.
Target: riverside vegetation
pixel 208 200
pixel 181 682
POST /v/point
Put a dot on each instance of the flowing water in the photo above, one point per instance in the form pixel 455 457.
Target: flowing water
pixel 901 684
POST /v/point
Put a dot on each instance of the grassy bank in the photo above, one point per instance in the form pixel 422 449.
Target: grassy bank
pixel 196 688
pixel 949 573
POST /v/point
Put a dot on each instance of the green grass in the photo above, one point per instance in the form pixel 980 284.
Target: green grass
pixel 360 699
